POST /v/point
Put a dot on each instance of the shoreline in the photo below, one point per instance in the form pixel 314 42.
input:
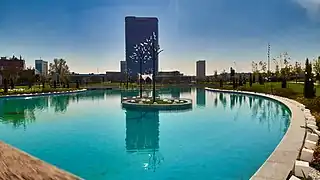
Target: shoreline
pixel 281 161
pixel 43 94
pixel 17 164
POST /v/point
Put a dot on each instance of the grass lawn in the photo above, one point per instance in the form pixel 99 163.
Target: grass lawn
pixel 267 87
pixel 293 91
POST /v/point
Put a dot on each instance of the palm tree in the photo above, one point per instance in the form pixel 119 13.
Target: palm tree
pixel 59 70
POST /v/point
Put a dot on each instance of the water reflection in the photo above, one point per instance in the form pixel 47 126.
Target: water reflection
pixel 60 103
pixel 263 110
pixel 201 97
pixel 142 136
pixel 20 111
pixel 175 93
pixel 90 95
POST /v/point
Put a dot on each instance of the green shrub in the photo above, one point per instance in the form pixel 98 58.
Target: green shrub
pixel 285 92
pixel 312 104
pixel 316 161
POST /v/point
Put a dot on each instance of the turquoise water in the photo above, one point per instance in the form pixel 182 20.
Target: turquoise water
pixel 224 136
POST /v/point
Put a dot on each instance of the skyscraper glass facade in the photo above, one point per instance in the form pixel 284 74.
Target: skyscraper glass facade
pixel 137 30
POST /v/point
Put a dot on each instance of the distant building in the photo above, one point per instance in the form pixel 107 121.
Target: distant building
pixel 114 76
pixel 83 78
pixel 12 64
pixel 137 30
pixel 123 67
pixel 170 74
pixel 201 70
pixel 169 77
pixel 41 67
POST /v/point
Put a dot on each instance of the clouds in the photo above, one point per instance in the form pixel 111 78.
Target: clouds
pixel 312 7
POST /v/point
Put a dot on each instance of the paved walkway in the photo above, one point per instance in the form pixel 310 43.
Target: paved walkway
pixel 17 165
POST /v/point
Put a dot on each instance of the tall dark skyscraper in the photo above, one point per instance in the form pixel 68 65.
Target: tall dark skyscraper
pixel 137 30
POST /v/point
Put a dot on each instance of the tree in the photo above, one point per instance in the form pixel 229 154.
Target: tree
pixel 297 70
pixel 224 75
pixel 59 70
pixel 215 75
pixel 221 83
pixel 260 78
pixel 240 81
pixel 262 73
pixel 37 79
pixel 309 91
pixel 68 85
pixel 11 84
pixel 284 83
pixel 263 67
pixel 277 69
pixel 318 77
pixel 316 68
pixel 43 83
pixel 255 71
pixel 5 85
pixel 255 68
pixel 232 73
pixel 77 84
pixel 284 59
pixel 28 76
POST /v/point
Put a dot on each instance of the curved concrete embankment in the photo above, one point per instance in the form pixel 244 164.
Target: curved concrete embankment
pixel 283 158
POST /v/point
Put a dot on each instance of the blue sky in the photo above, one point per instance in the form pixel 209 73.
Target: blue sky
pixel 89 34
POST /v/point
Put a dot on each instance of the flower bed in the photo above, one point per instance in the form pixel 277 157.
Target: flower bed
pixel 158 101
pixel 159 104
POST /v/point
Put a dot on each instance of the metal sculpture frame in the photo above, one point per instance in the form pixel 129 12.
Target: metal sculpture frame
pixel 147 50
